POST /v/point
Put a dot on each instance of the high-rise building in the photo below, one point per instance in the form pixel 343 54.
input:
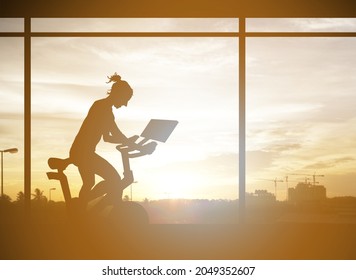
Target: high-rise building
pixel 306 192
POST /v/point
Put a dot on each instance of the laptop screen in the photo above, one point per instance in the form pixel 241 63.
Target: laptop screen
pixel 159 130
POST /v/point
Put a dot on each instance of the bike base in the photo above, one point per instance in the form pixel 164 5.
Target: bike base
pixel 126 214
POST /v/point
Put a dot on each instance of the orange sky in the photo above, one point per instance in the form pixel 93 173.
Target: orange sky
pixel 300 107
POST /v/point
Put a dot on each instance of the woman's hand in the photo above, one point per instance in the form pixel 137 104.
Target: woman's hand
pixel 149 148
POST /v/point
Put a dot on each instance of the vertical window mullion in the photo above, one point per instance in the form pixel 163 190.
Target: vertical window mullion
pixel 242 119
pixel 27 117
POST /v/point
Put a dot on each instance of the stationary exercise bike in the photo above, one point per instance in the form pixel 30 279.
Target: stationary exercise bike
pixel 105 204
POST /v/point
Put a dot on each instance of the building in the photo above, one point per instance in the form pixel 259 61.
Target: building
pixel 306 192
pixel 260 197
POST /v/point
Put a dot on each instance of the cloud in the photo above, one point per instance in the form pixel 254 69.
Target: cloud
pixel 135 24
pixel 257 161
pixel 301 24
pixel 325 24
pixel 3 130
pixel 300 101
pixel 11 116
pixel 128 55
pixel 329 163
pixel 11 128
pixel 177 72
pixel 12 59
pixel 324 66
pixel 283 147
pixel 11 25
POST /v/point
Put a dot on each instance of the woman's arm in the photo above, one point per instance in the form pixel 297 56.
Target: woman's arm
pixel 115 136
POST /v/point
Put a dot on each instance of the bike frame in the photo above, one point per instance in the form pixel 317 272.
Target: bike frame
pixel 126 153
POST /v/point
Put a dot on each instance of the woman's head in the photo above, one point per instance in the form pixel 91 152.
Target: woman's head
pixel 120 91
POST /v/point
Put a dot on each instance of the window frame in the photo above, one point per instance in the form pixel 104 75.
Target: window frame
pixel 241 34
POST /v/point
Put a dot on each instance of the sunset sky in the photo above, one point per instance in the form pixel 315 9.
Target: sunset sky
pixel 300 105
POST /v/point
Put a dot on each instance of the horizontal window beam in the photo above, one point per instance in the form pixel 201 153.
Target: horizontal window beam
pixel 300 34
pixel 180 34
pixel 134 34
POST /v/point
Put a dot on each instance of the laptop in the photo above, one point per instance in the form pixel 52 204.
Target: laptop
pixel 159 130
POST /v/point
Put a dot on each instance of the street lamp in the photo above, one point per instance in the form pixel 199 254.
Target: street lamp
pixel 51 189
pixel 11 151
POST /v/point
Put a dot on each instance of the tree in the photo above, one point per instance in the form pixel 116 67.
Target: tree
pixel 20 197
pixel 5 203
pixel 5 199
pixel 126 198
pixel 38 196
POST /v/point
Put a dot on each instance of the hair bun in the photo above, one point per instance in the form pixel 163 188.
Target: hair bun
pixel 114 78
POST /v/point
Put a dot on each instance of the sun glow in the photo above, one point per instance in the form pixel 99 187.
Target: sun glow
pixel 177 184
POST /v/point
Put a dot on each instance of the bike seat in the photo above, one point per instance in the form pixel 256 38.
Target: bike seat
pixel 59 163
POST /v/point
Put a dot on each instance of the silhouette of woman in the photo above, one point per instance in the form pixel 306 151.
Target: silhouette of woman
pixel 100 123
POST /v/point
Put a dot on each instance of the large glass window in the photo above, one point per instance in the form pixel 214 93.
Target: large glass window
pixel 193 80
pixel 12 115
pixel 299 113
pixel 300 110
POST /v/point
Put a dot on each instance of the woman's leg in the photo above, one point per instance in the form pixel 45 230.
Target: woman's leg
pixel 88 177
pixel 111 179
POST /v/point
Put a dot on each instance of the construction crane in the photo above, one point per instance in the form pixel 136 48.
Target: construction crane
pixel 287 180
pixel 275 184
pixel 313 175
pixel 306 179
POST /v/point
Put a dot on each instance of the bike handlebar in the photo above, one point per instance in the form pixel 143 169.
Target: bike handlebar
pixel 137 149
